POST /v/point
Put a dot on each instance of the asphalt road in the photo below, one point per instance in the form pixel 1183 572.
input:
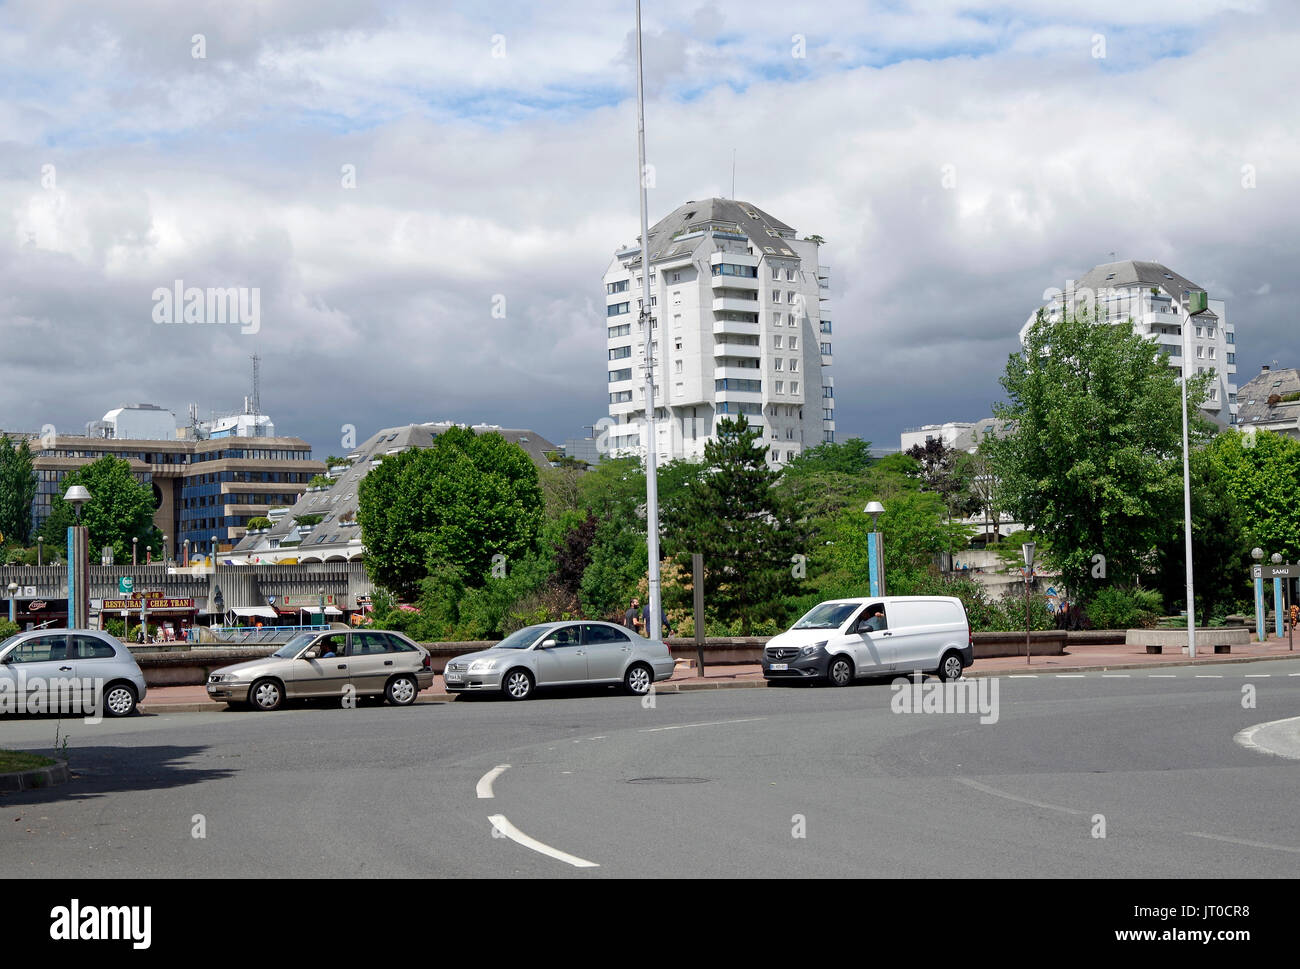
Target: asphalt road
pixel 754 782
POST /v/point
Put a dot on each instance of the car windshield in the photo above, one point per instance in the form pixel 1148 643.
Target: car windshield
pixel 521 638
pixel 291 648
pixel 829 615
pixel 9 642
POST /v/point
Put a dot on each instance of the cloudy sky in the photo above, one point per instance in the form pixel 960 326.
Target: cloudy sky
pixel 382 172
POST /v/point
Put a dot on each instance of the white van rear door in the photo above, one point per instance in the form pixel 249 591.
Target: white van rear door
pixel 919 630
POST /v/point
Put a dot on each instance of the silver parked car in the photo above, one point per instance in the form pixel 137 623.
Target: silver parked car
pixel 70 671
pixel 562 654
pixel 329 663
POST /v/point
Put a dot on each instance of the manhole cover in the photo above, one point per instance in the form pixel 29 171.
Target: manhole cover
pixel 669 780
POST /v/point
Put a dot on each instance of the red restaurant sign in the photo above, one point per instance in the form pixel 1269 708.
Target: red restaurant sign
pixel 151 605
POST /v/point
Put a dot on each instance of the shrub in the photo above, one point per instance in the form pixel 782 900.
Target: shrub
pixel 309 519
pixel 258 522
pixel 1115 607
pixel 8 629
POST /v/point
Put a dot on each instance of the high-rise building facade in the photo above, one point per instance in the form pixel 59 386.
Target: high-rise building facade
pixel 739 323
pixel 1160 302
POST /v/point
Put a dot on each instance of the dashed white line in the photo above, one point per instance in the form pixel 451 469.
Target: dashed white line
pixel 1242 841
pixel 1012 797
pixel 1163 676
pixel 484 786
pixel 502 824
pixel 1250 675
pixel 710 723
pixel 1115 676
pixel 1071 676
pixel 1209 676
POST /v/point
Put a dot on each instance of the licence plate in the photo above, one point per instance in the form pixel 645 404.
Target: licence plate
pixel 453 677
pixel 778 666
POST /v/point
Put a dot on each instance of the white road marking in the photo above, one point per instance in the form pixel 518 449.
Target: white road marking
pixel 1248 675
pixel 1163 676
pixel 1209 676
pixel 502 824
pixel 484 786
pixel 1122 676
pixel 1242 841
pixel 710 723
pixel 1247 739
pixel 1024 676
pixel 1012 797
pixel 1071 676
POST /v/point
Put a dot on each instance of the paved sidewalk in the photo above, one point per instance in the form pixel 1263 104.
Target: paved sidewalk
pixel 1079 659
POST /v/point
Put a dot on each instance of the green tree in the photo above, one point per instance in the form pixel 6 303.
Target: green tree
pixel 120 508
pixel 1262 473
pixel 17 491
pixel 747 530
pixel 1092 459
pixel 458 504
pixel 845 457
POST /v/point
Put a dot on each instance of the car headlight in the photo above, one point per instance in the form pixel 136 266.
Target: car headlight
pixel 482 665
pixel 814 649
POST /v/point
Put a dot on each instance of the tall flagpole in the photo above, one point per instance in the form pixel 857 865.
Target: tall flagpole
pixel 649 439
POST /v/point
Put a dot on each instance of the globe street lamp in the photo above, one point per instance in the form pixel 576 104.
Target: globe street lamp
pixel 40 550
pixel 875 549
pixel 13 594
pixel 1258 555
pixel 1027 550
pixel 78 562
pixel 321 591
pixel 135 545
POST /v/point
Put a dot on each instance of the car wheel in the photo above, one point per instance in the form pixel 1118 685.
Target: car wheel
pixel 119 700
pixel 266 695
pixel 401 691
pixel 839 671
pixel 638 680
pixel 951 666
pixel 517 685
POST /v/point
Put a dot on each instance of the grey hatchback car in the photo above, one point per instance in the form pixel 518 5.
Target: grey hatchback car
pixel 329 663
pixel 70 671
pixel 562 654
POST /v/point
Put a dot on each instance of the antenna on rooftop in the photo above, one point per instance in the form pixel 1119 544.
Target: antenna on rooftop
pixel 257 384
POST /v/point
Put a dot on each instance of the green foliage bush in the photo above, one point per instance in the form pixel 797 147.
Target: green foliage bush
pixel 1116 607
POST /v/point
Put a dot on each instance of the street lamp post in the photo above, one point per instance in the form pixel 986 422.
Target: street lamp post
pixel 1258 555
pixel 875 549
pixel 1277 596
pixel 1186 350
pixel 78 562
pixel 164 551
pixel 321 593
pixel 13 608
pixel 40 550
pixel 214 552
pixel 135 548
pixel 1028 550
pixel 187 553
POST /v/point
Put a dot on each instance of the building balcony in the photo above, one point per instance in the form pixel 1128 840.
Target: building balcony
pixel 826 359
pixel 721 349
pixel 735 371
pixel 735 282
pixel 736 327
pixel 735 304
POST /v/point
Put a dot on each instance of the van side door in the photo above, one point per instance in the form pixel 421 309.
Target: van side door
pixel 871 653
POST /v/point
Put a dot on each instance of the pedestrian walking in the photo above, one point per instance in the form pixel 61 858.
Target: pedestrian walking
pixel 632 618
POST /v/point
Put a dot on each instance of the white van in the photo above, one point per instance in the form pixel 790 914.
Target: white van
pixel 840 640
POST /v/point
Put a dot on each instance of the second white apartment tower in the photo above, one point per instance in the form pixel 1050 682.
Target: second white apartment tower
pixel 739 324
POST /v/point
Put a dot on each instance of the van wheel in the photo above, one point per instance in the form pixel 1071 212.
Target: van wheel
pixel 839 671
pixel 951 666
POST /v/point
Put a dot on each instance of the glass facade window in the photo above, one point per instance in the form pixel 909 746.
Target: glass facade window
pixel 730 269
pixel 735 383
pixel 617 309
pixel 617 375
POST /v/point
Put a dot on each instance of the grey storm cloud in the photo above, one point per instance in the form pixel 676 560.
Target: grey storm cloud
pixel 956 165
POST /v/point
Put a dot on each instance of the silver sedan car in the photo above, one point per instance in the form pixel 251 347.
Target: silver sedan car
pixel 331 663
pixel 562 654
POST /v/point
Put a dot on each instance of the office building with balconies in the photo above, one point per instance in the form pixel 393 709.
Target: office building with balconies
pixel 1159 303
pixel 738 323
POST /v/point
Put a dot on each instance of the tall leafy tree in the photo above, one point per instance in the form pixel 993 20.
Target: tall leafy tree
pixel 1092 458
pixel 747 530
pixel 17 491
pixel 120 508
pixel 845 457
pixel 1262 472
pixel 454 506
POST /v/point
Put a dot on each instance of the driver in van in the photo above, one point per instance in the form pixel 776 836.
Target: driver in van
pixel 875 619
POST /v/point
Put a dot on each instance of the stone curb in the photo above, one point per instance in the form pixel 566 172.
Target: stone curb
pixel 37 777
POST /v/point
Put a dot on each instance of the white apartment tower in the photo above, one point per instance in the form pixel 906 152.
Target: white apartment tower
pixel 1160 302
pixel 739 324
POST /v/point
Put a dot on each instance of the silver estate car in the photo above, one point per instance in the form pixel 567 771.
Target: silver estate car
pixel 329 663
pixel 562 654
pixel 46 670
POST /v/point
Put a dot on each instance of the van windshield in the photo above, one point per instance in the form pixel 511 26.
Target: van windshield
pixel 828 615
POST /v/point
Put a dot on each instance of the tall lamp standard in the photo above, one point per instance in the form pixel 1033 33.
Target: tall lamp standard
pixel 40 550
pixel 1028 550
pixel 187 553
pixel 164 550
pixel 135 549
pixel 13 609
pixel 78 562
pixel 1186 349
pixel 875 549
pixel 321 592
pixel 1258 555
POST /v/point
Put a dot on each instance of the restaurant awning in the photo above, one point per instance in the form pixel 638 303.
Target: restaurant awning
pixel 265 612
pixel 314 610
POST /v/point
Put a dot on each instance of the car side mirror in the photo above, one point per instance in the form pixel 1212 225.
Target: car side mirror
pixel 548 644
pixel 310 654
